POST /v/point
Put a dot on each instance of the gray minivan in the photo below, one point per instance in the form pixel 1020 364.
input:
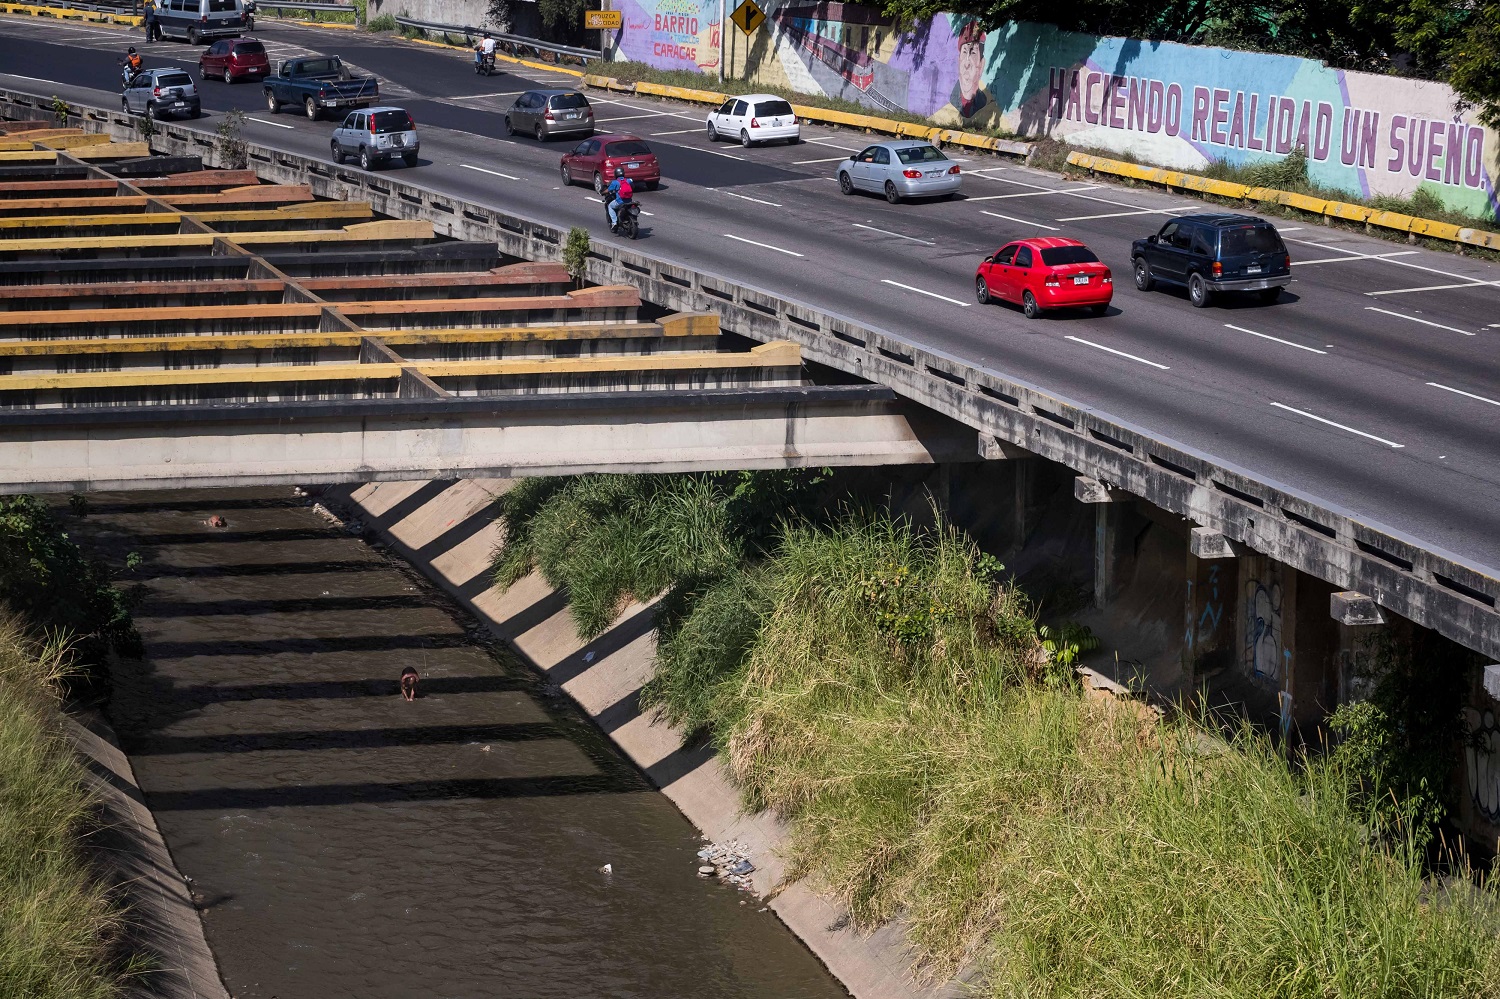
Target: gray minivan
pixel 200 20
pixel 545 113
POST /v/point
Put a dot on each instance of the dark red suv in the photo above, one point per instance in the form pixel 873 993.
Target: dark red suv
pixel 594 160
pixel 232 59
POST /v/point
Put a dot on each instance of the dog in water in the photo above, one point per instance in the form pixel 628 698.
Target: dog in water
pixel 409 683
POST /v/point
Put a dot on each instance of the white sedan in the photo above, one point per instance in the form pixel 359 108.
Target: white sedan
pixel 753 119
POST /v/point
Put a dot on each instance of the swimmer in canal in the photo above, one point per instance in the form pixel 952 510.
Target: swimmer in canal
pixel 409 683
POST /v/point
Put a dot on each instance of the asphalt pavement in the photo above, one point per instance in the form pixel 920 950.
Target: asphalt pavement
pixel 1372 385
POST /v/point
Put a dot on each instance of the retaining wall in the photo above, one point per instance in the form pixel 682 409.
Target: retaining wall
pixel 1177 105
pixel 446 531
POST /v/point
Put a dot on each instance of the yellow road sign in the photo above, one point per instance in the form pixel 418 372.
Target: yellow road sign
pixel 748 16
pixel 602 20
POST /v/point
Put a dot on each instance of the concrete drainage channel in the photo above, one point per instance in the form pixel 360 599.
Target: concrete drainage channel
pixel 1427 587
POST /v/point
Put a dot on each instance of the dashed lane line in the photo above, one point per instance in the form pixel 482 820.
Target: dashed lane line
pixel 1341 426
pixel 1120 215
pixel 764 246
pixel 276 124
pixel 1461 392
pixel 1029 194
pixel 1267 336
pixel 887 232
pixel 492 173
pixel 1012 218
pixel 1424 322
pixel 1438 287
pixel 1121 353
pixel 929 294
pixel 746 197
pixel 826 159
pixel 1358 256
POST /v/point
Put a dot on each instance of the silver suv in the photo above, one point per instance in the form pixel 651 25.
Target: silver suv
pixel 377 135
pixel 162 93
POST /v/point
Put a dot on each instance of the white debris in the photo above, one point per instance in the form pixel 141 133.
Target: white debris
pixel 730 862
pixel 607 869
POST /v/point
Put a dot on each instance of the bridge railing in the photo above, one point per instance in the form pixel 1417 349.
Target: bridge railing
pixel 1415 579
pixel 518 45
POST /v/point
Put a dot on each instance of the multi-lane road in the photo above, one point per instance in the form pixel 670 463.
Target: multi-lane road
pixel 1372 385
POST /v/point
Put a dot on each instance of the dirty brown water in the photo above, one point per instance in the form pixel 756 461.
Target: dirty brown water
pixel 343 842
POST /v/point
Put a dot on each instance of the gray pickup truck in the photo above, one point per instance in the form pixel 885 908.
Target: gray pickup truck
pixel 319 83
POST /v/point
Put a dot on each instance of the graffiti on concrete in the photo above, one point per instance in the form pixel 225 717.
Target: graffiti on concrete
pixel 1205 625
pixel 1482 759
pixel 1264 651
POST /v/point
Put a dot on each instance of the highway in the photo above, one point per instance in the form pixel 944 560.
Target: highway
pixel 1371 386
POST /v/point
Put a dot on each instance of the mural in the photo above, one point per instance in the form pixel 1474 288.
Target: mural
pixel 1482 759
pixel 1178 105
pixel 1264 650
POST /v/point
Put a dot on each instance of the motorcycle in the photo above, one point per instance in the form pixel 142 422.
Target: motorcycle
pixel 249 15
pixel 485 64
pixel 628 224
pixel 126 75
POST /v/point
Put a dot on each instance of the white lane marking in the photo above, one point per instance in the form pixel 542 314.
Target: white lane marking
pixel 712 152
pixel 1361 256
pixel 887 232
pixel 275 123
pixel 1290 228
pixel 1436 287
pixel 1470 395
pixel 824 140
pixel 929 294
pixel 746 197
pixel 475 97
pixel 600 201
pixel 637 107
pixel 826 159
pixel 764 246
pixel 1070 192
pixel 631 117
pixel 1267 336
pixel 1100 346
pixel 1120 215
pixel 1030 194
pixel 1011 218
pixel 492 173
pixel 1312 416
pixel 680 131
pixel 1399 263
pixel 1424 322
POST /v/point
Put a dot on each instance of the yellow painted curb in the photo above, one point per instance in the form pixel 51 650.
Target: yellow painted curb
pixel 68 14
pixel 342 25
pixel 865 122
pixel 1429 228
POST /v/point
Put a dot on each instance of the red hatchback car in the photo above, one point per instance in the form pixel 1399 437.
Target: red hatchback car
pixel 1046 272
pixel 594 160
pixel 232 59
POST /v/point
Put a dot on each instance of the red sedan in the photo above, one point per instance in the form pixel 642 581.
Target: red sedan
pixel 594 160
pixel 232 59
pixel 1046 272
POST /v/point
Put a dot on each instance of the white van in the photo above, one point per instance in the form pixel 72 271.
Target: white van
pixel 200 20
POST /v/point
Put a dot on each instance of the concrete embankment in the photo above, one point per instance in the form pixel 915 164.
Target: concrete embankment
pixel 163 919
pixel 447 530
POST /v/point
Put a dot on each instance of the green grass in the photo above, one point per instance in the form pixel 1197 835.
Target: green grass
pixel 889 695
pixel 56 921
pixel 639 72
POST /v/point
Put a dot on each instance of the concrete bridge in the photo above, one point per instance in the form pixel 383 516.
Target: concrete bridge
pixel 199 327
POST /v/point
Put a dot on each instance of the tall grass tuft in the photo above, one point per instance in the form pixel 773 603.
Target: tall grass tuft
pixel 56 922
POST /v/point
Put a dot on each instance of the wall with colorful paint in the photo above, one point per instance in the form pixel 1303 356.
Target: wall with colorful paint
pixel 1168 104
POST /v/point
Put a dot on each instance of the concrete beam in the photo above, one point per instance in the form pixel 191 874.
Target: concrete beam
pixel 1204 542
pixel 1492 680
pixel 1354 609
pixel 1087 490
pixel 137 447
pixel 992 448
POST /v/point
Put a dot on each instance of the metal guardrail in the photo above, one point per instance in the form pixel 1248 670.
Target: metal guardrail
pixel 503 42
pixel 341 8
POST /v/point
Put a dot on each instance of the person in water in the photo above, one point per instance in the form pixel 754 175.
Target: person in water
pixel 409 683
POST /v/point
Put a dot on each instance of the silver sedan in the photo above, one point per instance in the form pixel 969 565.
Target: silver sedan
pixel 901 169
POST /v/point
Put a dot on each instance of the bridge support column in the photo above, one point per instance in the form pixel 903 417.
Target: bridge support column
pixel 1210 607
pixel 1109 510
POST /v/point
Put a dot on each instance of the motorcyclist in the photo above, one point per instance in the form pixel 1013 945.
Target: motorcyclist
pixel 133 65
pixel 618 192
pixel 484 50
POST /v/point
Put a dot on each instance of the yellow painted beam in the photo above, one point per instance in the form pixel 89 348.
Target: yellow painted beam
pixel 394 230
pixel 309 212
pixel 85 317
pixel 75 141
pixel 22 222
pixel 32 156
pixel 770 355
pixel 313 210
pixel 113 151
pixel 267 341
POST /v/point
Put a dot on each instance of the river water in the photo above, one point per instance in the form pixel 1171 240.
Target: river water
pixel 343 842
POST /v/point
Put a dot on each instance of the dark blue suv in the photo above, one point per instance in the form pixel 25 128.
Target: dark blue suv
pixel 1212 254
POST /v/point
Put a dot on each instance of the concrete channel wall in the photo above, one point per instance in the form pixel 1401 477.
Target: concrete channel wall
pixel 447 531
pixel 1425 585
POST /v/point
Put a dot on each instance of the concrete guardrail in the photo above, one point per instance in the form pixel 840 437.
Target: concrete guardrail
pixel 1374 217
pixel 1429 586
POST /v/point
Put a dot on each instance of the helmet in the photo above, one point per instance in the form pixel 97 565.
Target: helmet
pixel 486 34
pixel 619 171
pixel 132 50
